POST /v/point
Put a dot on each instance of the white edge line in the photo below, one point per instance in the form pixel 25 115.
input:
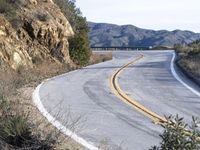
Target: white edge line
pixel 57 124
pixel 178 78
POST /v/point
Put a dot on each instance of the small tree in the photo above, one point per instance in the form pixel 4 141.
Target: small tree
pixel 79 47
pixel 179 136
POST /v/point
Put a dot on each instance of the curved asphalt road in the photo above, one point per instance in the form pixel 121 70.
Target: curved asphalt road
pixel 87 93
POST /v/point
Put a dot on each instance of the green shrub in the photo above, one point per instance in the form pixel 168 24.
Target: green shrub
pixel 190 49
pixel 4 6
pixel 15 129
pixel 70 11
pixel 8 9
pixel 79 47
pixel 179 136
pixel 78 50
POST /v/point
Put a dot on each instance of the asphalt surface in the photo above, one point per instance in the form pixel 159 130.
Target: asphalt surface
pixel 85 94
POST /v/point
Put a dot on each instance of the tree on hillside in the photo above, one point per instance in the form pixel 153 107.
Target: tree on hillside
pixel 79 45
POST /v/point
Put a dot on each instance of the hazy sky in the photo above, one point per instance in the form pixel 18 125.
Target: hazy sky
pixel 150 14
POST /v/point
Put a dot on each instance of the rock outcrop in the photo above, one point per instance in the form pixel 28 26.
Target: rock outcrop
pixel 12 51
pixel 38 33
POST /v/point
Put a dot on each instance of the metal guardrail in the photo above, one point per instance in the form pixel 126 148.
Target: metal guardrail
pixel 121 48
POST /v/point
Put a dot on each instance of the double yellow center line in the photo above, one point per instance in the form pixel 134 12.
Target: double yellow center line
pixel 157 119
pixel 124 97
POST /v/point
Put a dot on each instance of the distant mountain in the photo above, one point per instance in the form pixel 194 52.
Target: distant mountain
pixel 103 34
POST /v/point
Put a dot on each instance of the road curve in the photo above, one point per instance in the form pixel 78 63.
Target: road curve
pixel 87 93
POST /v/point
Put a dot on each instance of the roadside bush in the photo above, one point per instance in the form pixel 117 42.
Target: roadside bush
pixel 179 136
pixel 79 51
pixel 190 49
pixel 70 11
pixel 189 59
pixel 79 47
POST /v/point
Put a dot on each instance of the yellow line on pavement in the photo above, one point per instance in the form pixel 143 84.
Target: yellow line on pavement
pixel 124 97
pixel 157 119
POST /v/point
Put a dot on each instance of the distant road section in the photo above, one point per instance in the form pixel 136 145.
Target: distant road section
pixel 108 119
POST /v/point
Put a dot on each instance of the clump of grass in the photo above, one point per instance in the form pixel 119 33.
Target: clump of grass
pixel 16 130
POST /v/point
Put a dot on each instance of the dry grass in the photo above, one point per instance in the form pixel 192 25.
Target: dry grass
pixel 44 128
pixel 192 64
pixel 16 79
pixel 17 87
pixel 189 59
pixel 98 57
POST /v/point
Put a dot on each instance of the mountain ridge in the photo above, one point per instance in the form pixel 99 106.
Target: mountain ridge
pixel 105 34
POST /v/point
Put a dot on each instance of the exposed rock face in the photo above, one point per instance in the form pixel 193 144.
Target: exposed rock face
pixel 40 32
pixel 11 50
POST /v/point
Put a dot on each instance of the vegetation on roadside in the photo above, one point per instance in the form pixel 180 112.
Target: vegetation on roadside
pixel 189 58
pixel 178 135
pixel 189 49
pixel 79 47
pixel 98 57
pixel 16 129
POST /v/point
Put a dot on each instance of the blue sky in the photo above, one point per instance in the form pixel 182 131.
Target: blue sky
pixel 149 14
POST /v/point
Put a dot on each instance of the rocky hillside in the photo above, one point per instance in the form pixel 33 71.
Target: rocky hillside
pixel 37 31
pixel 102 34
